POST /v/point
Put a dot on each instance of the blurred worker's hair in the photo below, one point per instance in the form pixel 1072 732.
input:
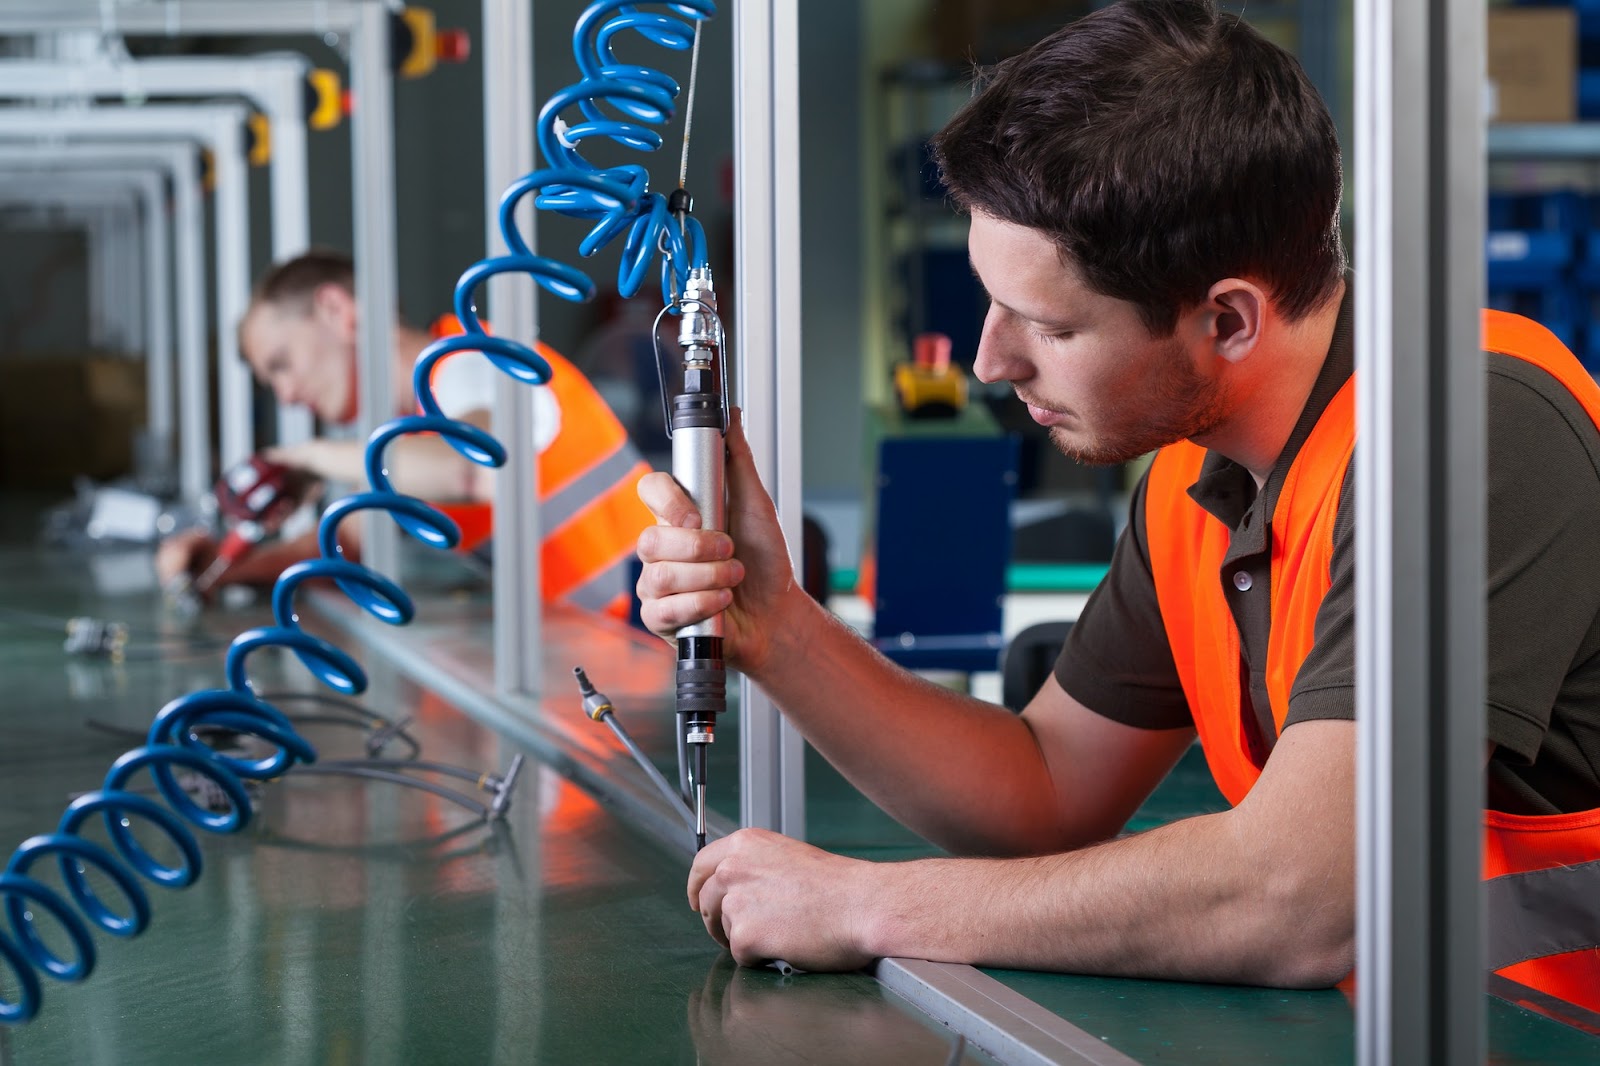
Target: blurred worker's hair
pixel 1163 146
pixel 291 283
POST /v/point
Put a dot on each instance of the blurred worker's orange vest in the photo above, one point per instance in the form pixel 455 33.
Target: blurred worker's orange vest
pixel 589 509
pixel 1543 871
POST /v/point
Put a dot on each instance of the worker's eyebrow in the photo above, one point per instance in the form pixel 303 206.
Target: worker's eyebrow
pixel 1047 323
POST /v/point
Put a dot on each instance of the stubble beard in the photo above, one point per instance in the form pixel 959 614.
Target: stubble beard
pixel 1183 405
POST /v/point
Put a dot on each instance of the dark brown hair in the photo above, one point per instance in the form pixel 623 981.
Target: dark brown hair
pixel 291 283
pixel 1163 146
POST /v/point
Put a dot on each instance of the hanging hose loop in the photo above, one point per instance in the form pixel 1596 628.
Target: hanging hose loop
pixel 159 760
pixel 73 853
pixel 119 808
pixel 26 1005
pixel 332 666
pixel 18 891
pixel 238 713
pixel 619 102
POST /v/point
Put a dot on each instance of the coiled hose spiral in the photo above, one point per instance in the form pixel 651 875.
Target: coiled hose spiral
pixel 620 202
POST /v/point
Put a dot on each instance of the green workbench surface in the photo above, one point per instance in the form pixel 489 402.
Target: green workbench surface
pixel 1226 1025
pixel 355 922
pixel 359 922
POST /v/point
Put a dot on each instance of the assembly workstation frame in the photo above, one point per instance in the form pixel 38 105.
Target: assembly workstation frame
pixel 140 196
pixel 273 84
pixel 219 128
pixel 1419 149
pixel 364 24
pixel 178 163
pixel 109 223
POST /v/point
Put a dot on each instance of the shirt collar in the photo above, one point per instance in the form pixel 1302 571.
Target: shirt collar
pixel 1227 491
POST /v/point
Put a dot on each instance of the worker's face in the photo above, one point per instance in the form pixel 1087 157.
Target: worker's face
pixel 306 354
pixel 1084 363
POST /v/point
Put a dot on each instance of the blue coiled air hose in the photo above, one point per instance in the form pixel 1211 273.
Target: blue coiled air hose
pixel 620 202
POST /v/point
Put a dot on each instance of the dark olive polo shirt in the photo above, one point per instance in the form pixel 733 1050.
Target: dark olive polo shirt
pixel 1543 595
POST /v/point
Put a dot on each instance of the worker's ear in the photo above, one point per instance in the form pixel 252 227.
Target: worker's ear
pixel 1232 318
pixel 335 306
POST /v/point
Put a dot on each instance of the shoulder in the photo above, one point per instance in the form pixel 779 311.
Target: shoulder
pixel 1535 423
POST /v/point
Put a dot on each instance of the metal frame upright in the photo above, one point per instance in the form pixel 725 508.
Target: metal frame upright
pixel 767 234
pixel 508 154
pixel 1419 167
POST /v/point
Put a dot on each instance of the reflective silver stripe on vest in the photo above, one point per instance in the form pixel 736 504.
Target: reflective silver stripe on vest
pixel 597 593
pixel 1543 912
pixel 562 507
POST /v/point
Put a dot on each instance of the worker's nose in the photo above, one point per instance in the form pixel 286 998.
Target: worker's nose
pixel 996 359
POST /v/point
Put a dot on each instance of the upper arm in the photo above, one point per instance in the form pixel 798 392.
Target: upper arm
pixel 1116 659
pixel 1100 769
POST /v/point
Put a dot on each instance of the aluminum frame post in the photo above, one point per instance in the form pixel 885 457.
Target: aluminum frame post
pixel 221 129
pixel 766 117
pixel 377 283
pixel 1420 531
pixel 122 279
pixel 508 122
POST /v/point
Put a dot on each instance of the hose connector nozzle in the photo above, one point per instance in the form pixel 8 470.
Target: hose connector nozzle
pixel 595 704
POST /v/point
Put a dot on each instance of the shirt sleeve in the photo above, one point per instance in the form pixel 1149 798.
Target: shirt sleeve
pixel 1116 660
pixel 1543 587
pixel 464 383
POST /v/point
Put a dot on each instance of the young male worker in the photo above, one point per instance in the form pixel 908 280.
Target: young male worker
pixel 299 337
pixel 1154 196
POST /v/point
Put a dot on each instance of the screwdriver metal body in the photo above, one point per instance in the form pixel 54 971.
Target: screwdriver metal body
pixel 697 422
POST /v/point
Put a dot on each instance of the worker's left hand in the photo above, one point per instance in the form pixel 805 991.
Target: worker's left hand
pixel 185 552
pixel 764 896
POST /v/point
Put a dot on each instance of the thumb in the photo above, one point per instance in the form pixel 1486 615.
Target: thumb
pixel 744 482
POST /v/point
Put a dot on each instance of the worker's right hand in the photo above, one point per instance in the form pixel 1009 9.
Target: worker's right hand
pixel 690 574
pixel 187 552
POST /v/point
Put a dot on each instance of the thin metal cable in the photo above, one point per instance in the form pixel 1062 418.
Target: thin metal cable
pixel 688 107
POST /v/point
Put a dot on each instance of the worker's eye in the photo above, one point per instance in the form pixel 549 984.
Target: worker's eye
pixel 1052 336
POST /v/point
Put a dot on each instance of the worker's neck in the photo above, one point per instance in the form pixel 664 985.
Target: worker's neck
pixel 1272 390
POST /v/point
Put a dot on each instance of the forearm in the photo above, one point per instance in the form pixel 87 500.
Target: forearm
pixel 1192 901
pixel 963 773
pixel 262 564
pixel 426 467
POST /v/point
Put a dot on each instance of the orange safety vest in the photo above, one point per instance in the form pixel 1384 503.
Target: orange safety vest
pixel 589 506
pixel 1543 871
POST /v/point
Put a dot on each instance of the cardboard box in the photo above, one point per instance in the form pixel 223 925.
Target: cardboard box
pixel 1533 64
pixel 65 416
